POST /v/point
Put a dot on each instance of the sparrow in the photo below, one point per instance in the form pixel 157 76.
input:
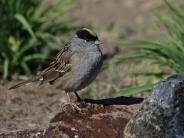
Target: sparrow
pixel 75 66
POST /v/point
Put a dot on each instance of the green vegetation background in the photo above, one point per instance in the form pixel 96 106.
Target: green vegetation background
pixel 32 33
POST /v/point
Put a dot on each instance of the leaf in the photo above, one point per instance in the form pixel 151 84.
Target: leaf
pixel 34 57
pixel 135 90
pixel 20 20
pixel 31 44
pixel 6 68
pixel 26 69
pixel 147 74
pixel 25 24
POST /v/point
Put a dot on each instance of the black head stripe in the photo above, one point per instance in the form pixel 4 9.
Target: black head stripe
pixel 86 35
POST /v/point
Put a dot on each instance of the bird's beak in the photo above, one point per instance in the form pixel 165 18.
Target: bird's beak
pixel 98 42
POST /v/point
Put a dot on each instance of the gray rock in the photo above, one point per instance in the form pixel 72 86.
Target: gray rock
pixel 162 114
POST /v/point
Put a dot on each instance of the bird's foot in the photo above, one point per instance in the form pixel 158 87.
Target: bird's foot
pixel 75 107
pixel 71 107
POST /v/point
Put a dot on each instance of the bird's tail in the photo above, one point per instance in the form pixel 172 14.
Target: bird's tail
pixel 23 83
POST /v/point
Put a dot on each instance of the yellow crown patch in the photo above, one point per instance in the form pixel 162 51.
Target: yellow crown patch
pixel 91 32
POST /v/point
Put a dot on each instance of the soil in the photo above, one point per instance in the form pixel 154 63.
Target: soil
pixel 32 107
pixel 28 107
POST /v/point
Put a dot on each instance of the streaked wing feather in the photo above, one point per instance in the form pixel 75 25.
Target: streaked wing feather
pixel 59 66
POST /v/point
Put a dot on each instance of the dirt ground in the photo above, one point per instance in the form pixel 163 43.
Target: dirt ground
pixel 32 106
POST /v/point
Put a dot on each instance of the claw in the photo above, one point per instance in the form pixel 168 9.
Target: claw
pixel 73 105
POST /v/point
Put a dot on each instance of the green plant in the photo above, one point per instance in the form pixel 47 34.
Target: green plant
pixel 28 29
pixel 165 53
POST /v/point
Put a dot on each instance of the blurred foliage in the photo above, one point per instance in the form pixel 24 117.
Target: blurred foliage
pixel 28 29
pixel 165 53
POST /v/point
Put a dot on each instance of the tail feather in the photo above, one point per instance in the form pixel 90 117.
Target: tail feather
pixel 23 83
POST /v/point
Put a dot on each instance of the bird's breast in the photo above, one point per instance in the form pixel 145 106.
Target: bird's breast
pixel 85 67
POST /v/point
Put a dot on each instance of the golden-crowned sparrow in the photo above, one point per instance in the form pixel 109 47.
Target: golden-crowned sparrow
pixel 75 66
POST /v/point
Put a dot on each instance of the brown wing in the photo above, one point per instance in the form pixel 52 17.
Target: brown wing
pixel 59 66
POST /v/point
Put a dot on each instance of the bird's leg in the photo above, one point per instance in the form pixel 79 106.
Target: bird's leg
pixel 73 105
pixel 68 97
pixel 78 97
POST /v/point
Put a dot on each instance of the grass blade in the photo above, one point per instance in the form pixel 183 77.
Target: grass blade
pixel 6 68
pixel 135 90
pixel 25 24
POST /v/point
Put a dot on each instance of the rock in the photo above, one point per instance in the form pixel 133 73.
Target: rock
pixel 95 121
pixel 162 114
